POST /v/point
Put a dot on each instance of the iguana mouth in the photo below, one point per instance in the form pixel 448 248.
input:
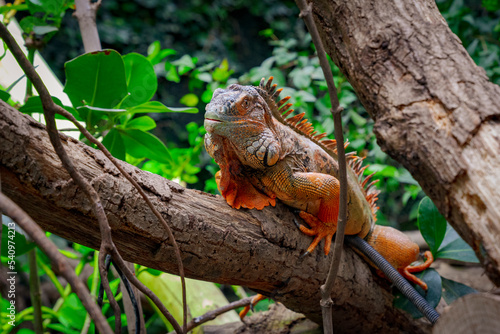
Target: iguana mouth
pixel 213 120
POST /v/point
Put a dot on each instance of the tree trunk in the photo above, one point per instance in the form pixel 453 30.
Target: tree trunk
pixel 258 249
pixel 435 111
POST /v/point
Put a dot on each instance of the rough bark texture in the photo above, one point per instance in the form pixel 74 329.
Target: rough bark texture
pixel 435 111
pixel 258 249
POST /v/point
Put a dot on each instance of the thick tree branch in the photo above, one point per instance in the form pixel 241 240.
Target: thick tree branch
pixel 435 111
pixel 258 249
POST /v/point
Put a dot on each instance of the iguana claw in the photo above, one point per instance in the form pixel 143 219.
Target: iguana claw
pixel 257 298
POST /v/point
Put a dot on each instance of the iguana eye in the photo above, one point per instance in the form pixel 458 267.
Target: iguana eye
pixel 243 104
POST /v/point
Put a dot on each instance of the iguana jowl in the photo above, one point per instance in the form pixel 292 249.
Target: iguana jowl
pixel 263 155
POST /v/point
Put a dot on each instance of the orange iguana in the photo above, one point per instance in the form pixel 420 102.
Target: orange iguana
pixel 263 155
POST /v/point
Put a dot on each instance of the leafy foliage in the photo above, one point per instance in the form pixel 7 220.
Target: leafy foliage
pixel 445 243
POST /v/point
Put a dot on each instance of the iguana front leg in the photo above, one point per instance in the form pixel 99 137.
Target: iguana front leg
pixel 312 188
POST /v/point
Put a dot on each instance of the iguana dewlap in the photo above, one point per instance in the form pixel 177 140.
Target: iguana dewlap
pixel 263 155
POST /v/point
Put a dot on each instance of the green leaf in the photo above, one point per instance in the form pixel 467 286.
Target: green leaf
pixel 114 143
pixel 156 54
pixel 101 110
pixel 203 296
pixel 4 96
pixel 46 6
pixel 204 76
pixel 189 100
pixel 11 237
pixel 25 331
pixel 455 248
pixel 431 224
pixel 158 107
pixel 184 64
pixel 31 24
pixel 144 123
pixel 59 328
pixel 72 313
pixel 141 80
pixel 153 272
pixel 96 79
pixel 34 105
pixel 433 294
pixel 171 73
pixel 153 50
pixel 453 290
pixel 42 30
pixel 141 144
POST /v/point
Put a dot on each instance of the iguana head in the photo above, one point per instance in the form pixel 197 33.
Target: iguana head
pixel 240 115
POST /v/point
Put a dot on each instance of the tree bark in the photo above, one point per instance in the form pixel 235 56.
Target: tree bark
pixel 434 110
pixel 258 249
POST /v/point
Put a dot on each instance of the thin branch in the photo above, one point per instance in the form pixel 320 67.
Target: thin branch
pixel 85 13
pixel 9 208
pixel 211 315
pixel 104 261
pixel 326 289
pixel 50 108
pixel 133 301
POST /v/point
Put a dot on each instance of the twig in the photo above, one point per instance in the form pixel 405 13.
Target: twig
pixel 105 287
pixel 211 315
pixel 11 209
pixel 133 300
pixel 50 108
pixel 326 289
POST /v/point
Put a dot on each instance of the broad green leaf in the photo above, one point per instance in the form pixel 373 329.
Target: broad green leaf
pixel 96 79
pixel 433 294
pixel 144 123
pixel 93 115
pixel 4 96
pixel 141 80
pixel 202 296
pixel 114 143
pixel 34 105
pixel 189 100
pixel 72 312
pixel 455 248
pixel 431 224
pixel 453 290
pixel 141 144
pixel 55 7
pixel 158 107
pixel 12 238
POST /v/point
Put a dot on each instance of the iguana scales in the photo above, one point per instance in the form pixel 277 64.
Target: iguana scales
pixel 264 154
